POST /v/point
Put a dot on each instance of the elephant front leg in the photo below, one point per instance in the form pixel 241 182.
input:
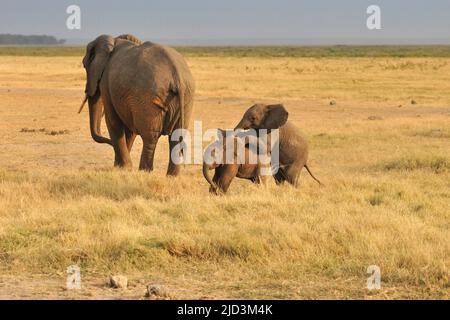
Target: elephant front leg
pixel 148 152
pixel 118 138
pixel 130 137
pixel 122 156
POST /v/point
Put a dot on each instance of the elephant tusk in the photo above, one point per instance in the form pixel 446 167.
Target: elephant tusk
pixel 83 103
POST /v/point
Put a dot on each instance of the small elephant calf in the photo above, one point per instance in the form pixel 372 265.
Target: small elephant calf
pixel 246 162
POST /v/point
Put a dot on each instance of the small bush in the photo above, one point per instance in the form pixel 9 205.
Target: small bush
pixel 433 133
pixel 375 200
pixel 436 164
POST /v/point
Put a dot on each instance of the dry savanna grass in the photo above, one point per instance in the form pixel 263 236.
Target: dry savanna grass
pixel 381 148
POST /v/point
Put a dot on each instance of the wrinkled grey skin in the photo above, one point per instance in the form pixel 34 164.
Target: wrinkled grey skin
pixel 226 172
pixel 293 154
pixel 144 89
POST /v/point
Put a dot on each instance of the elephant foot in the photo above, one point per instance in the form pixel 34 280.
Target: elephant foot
pixel 215 191
pixel 173 170
pixel 145 168
pixel 126 166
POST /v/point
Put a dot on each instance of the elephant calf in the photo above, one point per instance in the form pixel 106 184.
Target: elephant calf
pixel 293 147
pixel 246 162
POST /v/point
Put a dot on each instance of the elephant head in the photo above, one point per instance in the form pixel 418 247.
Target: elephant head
pixel 97 55
pixel 94 61
pixel 262 116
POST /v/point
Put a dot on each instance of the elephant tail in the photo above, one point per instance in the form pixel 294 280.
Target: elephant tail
pixel 178 89
pixel 181 100
pixel 309 171
pixel 214 188
pixel 177 114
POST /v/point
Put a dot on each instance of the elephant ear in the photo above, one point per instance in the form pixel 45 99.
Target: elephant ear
pixel 95 60
pixel 276 116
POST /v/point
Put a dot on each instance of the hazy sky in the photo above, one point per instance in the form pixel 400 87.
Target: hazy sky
pixel 235 21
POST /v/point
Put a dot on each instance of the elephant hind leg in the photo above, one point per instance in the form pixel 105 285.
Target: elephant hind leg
pixel 173 169
pixel 289 174
pixel 148 151
pixel 293 175
pixel 280 176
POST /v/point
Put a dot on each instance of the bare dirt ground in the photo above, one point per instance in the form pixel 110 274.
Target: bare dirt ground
pixel 45 287
pixel 382 151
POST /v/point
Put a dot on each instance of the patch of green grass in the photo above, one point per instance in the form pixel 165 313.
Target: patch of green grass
pixel 48 51
pixel 437 164
pixel 319 51
pixel 338 139
pixel 257 51
pixel 433 133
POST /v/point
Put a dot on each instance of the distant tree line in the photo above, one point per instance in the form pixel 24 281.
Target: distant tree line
pixel 18 39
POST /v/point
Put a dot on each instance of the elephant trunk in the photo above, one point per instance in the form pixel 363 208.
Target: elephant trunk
pixel 243 124
pixel 95 119
pixel 214 187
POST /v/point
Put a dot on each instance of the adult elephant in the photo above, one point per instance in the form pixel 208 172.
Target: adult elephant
pixel 143 89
